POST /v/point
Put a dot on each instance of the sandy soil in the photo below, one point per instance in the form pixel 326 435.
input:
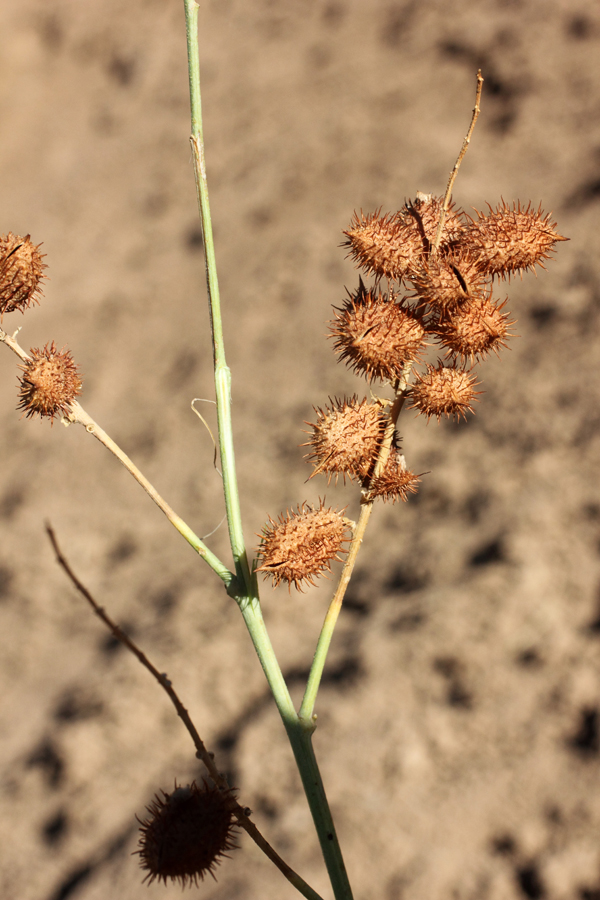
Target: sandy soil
pixel 459 722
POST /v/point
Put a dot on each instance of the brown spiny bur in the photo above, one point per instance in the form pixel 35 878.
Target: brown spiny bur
pixel 511 239
pixel 346 438
pixel 50 382
pixel 301 545
pixel 425 211
pixel 375 336
pixel 475 329
pixel 396 482
pixel 445 282
pixel 384 245
pixel 186 834
pixel 21 270
pixel 390 245
pixel 444 391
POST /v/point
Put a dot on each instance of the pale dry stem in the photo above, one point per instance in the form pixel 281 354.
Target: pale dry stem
pixel 78 415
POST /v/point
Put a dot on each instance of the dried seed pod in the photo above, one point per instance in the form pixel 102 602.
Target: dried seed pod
pixel 384 245
pixel 396 482
pixel 346 438
pixel 376 336
pixel 475 329
pixel 444 391
pixel 425 210
pixel 302 545
pixel 21 270
pixel 445 282
pixel 390 245
pixel 186 834
pixel 50 382
pixel 511 240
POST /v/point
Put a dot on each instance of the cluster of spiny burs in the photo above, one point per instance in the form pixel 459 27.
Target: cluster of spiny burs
pixel 439 267
pixel 50 380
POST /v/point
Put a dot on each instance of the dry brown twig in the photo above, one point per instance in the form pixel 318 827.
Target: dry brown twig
pixel 240 812
pixel 454 172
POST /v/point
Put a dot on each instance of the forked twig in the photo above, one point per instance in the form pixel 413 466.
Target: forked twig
pixel 240 812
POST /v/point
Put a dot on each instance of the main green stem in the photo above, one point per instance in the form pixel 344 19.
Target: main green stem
pixel 299 735
pixel 300 738
pixel 222 372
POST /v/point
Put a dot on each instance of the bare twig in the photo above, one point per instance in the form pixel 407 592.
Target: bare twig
pixel 240 812
pixel 454 172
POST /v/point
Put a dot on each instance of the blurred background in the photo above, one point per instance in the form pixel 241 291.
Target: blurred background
pixel 459 719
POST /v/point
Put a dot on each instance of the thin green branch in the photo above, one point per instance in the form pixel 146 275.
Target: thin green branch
pixel 79 416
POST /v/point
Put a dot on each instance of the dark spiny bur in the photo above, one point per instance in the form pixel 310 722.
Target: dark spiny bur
pixel 186 834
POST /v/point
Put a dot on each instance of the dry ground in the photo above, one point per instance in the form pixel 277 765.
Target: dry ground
pixel 459 724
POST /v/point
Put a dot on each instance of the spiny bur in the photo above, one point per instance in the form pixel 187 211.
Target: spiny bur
pixel 511 239
pixel 21 271
pixel 50 382
pixel 443 391
pixel 447 282
pixel 396 482
pixel 475 329
pixel 375 335
pixel 186 834
pixel 346 438
pixel 392 244
pixel 302 545
pixel 383 245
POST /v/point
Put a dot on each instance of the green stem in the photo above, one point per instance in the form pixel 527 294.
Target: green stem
pixel 300 738
pixel 222 372
pixel 248 601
